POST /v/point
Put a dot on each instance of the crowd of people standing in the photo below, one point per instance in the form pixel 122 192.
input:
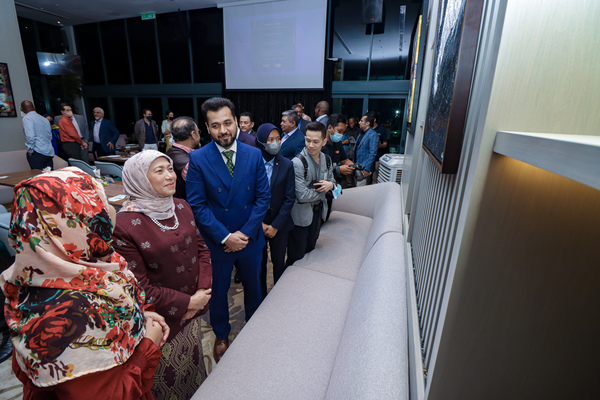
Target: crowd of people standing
pixel 193 214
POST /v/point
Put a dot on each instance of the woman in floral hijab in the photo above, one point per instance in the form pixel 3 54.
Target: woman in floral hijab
pixel 75 311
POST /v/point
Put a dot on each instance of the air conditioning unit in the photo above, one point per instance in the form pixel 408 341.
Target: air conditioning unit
pixel 390 168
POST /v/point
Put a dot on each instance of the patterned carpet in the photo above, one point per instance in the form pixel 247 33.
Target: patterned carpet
pixel 11 388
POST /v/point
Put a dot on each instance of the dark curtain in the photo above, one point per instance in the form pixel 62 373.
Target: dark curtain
pixel 267 105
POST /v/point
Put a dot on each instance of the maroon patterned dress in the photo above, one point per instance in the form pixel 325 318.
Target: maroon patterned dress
pixel 170 265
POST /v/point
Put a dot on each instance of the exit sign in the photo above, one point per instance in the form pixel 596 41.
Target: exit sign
pixel 150 15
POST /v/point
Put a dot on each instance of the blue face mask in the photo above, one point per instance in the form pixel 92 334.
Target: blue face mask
pixel 336 137
pixel 149 117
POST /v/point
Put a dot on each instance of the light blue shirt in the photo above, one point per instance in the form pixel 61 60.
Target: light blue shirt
pixel 38 134
pixel 269 168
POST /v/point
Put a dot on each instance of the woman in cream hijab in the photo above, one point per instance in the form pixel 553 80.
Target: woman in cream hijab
pixel 157 236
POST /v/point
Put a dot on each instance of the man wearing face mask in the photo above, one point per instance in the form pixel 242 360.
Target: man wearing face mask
pixel 73 133
pixel 336 127
pixel 38 137
pixel 278 220
pixel 146 131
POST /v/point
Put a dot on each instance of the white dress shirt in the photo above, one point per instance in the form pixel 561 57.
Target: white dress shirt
pixel 97 130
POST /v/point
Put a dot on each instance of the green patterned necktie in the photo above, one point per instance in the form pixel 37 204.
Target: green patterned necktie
pixel 229 154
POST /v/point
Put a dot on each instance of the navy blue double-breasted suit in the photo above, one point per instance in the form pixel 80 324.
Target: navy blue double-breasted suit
pixel 224 204
pixel 283 195
pixel 293 145
pixel 108 133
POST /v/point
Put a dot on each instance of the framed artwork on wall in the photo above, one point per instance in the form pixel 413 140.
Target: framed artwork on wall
pixel 7 102
pixel 457 35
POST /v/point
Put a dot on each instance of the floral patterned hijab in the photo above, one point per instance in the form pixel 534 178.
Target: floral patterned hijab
pixel 142 196
pixel 72 305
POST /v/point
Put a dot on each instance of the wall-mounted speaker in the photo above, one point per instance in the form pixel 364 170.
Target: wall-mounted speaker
pixel 372 11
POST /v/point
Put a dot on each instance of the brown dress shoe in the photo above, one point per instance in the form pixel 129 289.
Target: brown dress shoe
pixel 220 348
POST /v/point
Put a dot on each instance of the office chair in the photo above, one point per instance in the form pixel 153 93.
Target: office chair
pixel 4 227
pixel 108 168
pixel 82 165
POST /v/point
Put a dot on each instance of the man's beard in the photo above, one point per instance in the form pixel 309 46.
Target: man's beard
pixel 225 142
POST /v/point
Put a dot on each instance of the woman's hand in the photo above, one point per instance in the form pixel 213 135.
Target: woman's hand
pixel 154 331
pixel 160 320
pixel 197 302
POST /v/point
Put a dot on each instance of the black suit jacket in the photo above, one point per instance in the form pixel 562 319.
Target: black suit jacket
pixel 302 124
pixel 283 195
pixel 180 159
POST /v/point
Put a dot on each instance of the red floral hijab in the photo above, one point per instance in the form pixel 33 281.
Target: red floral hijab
pixel 72 305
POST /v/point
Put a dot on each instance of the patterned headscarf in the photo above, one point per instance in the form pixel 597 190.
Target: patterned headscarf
pixel 142 196
pixel 72 305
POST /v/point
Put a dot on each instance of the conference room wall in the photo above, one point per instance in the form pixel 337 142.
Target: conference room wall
pixel 11 53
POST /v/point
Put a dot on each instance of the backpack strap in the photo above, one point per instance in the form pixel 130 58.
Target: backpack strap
pixel 305 163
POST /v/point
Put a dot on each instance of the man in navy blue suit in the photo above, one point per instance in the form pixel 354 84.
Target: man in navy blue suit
pixel 292 140
pixel 278 221
pixel 104 133
pixel 228 190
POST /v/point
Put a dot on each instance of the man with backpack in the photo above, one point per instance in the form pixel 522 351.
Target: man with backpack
pixel 313 179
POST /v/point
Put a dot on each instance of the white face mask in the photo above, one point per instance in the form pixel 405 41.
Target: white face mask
pixel 22 114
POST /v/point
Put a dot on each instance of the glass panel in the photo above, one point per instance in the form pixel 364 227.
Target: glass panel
pixel 351 41
pixel 88 44
pixel 391 116
pixel 391 49
pixel 142 42
pixel 125 116
pixel 206 30
pixel 348 107
pixel 116 58
pixel 52 38
pixel 93 102
pixel 181 106
pixel 173 32
pixel 154 104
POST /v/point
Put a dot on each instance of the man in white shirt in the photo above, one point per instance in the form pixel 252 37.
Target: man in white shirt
pixel 38 137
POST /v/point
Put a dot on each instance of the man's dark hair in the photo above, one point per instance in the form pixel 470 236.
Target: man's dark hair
pixel 292 116
pixel 145 110
pixel 214 104
pixel 335 119
pixel 247 114
pixel 63 105
pixel 182 128
pixel 375 115
pixel 370 118
pixel 317 127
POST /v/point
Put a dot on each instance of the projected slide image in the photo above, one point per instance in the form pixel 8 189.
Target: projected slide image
pixel 274 45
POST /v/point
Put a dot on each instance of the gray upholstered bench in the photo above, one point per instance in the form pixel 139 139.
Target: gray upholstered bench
pixel 335 325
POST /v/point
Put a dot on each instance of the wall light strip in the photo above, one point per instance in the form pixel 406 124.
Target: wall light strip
pixel 575 157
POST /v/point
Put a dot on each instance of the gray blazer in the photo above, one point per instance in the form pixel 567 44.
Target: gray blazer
pixel 305 197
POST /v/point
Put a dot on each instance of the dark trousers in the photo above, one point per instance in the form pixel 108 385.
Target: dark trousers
pixel 99 151
pixel 303 239
pixel 73 150
pixel 278 246
pixel 39 161
pixel 249 269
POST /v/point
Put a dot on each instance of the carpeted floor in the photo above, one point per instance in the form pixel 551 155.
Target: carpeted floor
pixel 10 387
